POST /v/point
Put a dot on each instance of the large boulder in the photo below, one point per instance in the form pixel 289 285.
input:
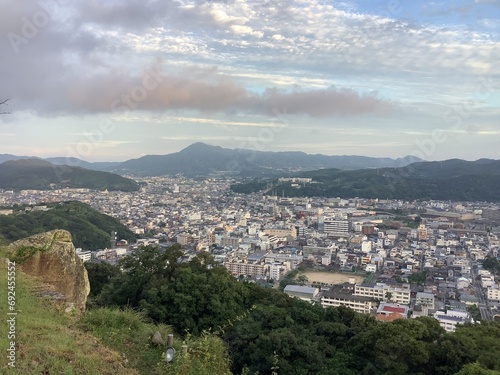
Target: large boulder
pixel 51 257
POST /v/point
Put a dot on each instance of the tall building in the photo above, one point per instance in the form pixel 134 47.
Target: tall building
pixel 336 226
pixel 422 232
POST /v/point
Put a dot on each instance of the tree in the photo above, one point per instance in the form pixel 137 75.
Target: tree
pixel 148 268
pixel 492 264
pixel 388 296
pixel 100 274
pixel 302 279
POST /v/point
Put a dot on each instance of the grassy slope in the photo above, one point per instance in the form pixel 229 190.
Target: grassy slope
pixel 48 342
pixel 103 341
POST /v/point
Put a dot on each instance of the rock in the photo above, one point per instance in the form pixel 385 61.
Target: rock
pixel 157 339
pixel 51 257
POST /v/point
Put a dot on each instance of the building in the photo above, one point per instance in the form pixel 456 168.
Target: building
pixel 85 256
pixel 183 239
pixel 371 267
pixel 293 259
pixel 387 312
pixel 343 295
pixel 277 270
pixel 318 250
pixel 422 234
pixel 425 299
pixel 232 242
pixel 494 293
pixel 279 232
pixel 360 304
pixel 384 292
pixel 121 251
pixel 487 281
pixel 451 318
pixel 238 268
pixel 305 293
pixel 463 283
pixel 336 227
pixel 326 260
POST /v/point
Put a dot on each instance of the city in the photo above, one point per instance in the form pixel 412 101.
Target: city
pixel 391 265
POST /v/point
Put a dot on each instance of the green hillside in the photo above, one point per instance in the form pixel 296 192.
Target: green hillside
pixel 103 341
pixel 229 327
pixel 268 332
pixel 89 228
pixel 456 180
pixel 41 175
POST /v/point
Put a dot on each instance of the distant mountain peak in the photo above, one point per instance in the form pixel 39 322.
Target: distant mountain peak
pixel 199 147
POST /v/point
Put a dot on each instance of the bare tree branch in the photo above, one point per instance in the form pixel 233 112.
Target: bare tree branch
pixel 2 102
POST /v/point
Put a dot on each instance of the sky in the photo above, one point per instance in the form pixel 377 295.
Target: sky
pixel 114 80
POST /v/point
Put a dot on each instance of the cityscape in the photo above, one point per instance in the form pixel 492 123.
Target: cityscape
pixel 392 266
pixel 250 187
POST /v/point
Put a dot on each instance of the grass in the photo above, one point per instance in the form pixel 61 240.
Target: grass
pixel 129 332
pixel 47 339
pixel 101 341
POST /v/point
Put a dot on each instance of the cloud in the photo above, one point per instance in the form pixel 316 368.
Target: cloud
pixel 493 2
pixel 90 57
pixel 322 103
pixel 205 91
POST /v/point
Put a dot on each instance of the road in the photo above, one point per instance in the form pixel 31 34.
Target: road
pixel 484 309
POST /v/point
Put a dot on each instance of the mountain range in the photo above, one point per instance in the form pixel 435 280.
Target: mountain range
pixel 39 174
pixel 453 179
pixel 200 159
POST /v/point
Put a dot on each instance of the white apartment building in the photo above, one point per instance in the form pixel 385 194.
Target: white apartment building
pixel 293 259
pixel 494 293
pixel 277 270
pixel 238 268
pixel 380 291
pixel 336 226
pixel 85 256
pixel 487 281
pixel 359 304
pixel 451 318
pixel 121 251
pixel 371 267
pixel 326 260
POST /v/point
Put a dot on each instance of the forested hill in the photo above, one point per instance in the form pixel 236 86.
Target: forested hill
pixel 267 332
pixel 454 179
pixel 200 159
pixel 89 228
pixel 42 175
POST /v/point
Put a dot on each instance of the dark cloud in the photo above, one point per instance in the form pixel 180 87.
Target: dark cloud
pixel 322 103
pixel 68 68
pixel 191 88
